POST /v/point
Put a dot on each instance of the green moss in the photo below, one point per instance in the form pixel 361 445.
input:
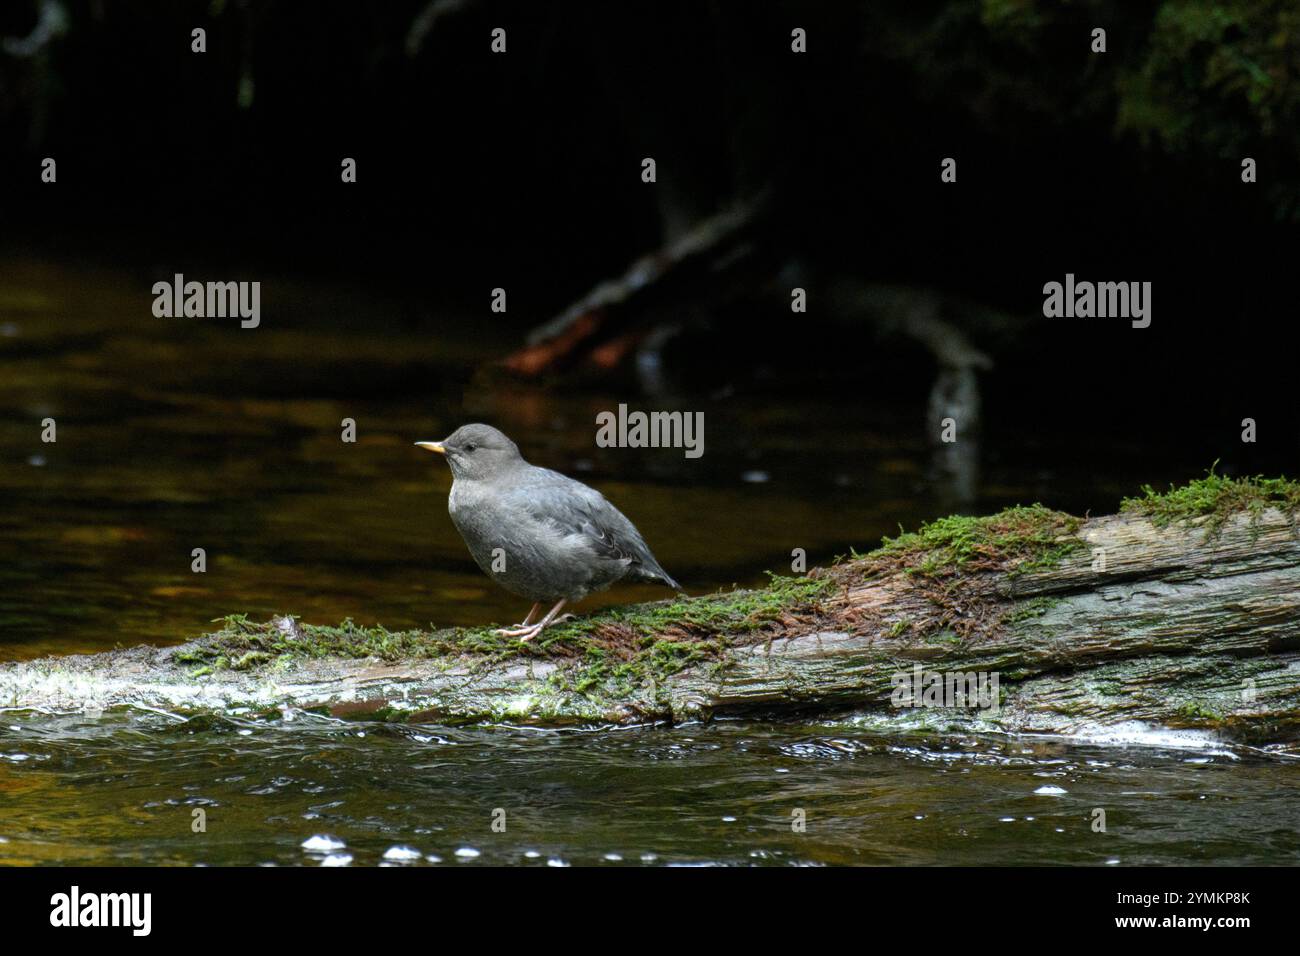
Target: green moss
pixel 1017 540
pixel 388 715
pixel 728 612
pixel 626 647
pixel 943 636
pixel 1215 498
pixel 1027 610
pixel 1195 710
pixel 611 651
pixel 241 644
pixel 248 660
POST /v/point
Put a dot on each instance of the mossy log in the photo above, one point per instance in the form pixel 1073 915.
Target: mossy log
pixel 1177 620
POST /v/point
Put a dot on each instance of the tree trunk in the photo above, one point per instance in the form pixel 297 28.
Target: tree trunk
pixel 1192 625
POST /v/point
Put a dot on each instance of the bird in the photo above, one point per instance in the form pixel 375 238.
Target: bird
pixel 540 534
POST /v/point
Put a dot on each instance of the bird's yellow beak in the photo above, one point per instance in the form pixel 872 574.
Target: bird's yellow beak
pixel 431 446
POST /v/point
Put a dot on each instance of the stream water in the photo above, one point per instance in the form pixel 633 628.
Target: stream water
pixel 124 788
pixel 174 435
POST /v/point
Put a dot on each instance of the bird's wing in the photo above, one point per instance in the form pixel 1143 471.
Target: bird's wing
pixel 574 509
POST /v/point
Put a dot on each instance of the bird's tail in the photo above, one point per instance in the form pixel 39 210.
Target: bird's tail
pixel 660 576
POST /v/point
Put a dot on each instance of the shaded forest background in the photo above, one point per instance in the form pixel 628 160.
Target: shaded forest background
pixel 478 170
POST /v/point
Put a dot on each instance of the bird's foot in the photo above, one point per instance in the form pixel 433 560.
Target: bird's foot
pixel 518 631
pixel 528 633
pixel 531 633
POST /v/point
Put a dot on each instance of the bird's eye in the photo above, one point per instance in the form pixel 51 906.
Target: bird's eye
pixel 470 447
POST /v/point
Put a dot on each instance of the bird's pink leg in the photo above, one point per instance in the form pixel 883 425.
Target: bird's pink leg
pixel 541 625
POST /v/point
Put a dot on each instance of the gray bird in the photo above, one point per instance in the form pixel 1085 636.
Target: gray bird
pixel 539 534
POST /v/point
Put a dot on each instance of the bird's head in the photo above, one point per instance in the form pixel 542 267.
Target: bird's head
pixel 475 452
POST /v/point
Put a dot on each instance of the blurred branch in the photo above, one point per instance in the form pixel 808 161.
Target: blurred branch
pixel 52 23
pixel 715 242
pixel 424 21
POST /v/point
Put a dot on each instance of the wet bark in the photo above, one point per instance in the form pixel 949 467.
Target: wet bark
pixel 1178 627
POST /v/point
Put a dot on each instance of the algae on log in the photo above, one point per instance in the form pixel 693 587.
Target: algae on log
pixel 1183 621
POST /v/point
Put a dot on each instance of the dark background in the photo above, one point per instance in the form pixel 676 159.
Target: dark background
pixel 523 170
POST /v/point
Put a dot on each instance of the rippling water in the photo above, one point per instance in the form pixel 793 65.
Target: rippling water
pixel 181 434
pixel 123 788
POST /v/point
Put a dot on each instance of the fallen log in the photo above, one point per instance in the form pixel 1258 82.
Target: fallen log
pixel 1182 611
